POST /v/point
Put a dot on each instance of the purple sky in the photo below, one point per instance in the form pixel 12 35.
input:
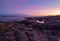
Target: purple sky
pixel 29 7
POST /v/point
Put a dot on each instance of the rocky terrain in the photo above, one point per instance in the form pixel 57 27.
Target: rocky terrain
pixel 31 30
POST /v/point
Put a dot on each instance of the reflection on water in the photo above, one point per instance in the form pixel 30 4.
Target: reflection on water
pixel 40 21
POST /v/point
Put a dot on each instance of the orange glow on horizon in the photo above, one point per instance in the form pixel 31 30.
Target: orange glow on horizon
pixel 56 12
pixel 42 12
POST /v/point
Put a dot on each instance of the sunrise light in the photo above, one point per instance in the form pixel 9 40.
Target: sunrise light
pixel 54 12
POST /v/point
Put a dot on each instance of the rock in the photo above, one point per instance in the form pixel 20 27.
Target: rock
pixel 29 30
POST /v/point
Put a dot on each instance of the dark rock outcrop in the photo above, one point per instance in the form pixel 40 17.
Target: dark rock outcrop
pixel 29 31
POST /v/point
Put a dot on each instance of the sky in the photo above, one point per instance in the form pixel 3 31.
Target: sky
pixel 30 7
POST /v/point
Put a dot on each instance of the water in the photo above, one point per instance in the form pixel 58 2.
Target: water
pixel 40 21
pixel 11 18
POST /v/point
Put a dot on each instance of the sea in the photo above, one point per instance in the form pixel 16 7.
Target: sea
pixel 12 18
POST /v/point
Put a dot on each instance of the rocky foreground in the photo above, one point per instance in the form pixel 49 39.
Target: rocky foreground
pixel 29 30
